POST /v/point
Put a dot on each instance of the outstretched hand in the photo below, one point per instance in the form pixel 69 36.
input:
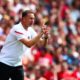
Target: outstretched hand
pixel 45 30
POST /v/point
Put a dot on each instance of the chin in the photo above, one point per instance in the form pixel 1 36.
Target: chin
pixel 30 24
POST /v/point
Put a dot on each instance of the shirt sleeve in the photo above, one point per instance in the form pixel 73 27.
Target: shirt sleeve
pixel 19 33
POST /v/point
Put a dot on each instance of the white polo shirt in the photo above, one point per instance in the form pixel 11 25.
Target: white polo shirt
pixel 13 49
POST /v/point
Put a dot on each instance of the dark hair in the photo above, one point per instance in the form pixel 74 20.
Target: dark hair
pixel 78 20
pixel 25 13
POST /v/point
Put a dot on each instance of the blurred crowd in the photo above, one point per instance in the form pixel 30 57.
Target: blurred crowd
pixel 60 59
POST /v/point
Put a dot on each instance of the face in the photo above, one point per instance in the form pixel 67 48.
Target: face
pixel 29 19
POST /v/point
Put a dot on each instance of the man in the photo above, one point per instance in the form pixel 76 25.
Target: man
pixel 20 38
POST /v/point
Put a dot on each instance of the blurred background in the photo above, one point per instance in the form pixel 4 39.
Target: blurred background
pixel 60 59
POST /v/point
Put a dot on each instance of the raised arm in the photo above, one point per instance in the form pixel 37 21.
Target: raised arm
pixel 33 41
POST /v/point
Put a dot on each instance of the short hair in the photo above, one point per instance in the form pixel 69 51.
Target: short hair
pixel 25 13
pixel 78 20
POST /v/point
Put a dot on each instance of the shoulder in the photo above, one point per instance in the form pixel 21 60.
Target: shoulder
pixel 17 27
pixel 31 29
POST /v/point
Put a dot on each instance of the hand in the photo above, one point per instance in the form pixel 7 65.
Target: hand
pixel 45 36
pixel 45 30
pixel 43 26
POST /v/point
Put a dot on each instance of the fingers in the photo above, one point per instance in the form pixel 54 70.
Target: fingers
pixel 40 18
pixel 43 26
pixel 45 30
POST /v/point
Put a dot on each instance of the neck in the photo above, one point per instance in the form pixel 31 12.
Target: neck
pixel 25 27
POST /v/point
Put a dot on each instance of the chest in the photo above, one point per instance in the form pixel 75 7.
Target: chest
pixel 28 35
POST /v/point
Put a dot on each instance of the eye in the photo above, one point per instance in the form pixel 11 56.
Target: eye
pixel 32 18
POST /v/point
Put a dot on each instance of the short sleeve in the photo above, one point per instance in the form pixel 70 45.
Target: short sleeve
pixel 19 33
